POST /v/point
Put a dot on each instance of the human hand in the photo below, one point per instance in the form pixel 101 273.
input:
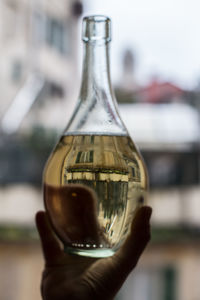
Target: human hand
pixel 82 278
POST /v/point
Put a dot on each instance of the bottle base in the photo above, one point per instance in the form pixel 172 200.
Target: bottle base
pixel 98 253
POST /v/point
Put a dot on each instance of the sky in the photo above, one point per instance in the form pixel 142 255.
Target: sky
pixel 164 36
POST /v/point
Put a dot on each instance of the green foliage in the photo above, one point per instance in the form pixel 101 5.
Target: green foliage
pixel 40 140
pixel 175 234
pixel 23 156
pixel 123 96
pixel 17 233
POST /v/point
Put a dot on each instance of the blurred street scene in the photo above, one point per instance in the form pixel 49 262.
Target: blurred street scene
pixel 39 84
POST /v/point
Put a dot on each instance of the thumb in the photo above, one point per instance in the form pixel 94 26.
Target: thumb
pixel 128 255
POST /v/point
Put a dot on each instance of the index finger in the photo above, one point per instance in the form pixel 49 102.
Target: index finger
pixel 50 245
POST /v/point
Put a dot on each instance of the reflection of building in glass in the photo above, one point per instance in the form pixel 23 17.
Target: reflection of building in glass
pixel 85 157
pixel 110 166
pixel 88 154
pixel 90 162
pixel 103 170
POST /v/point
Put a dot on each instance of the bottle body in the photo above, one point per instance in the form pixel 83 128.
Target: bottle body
pixel 113 168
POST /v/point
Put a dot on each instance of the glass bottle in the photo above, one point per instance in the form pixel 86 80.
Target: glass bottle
pixel 95 151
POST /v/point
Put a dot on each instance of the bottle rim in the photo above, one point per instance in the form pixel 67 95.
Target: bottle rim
pixel 97 18
pixel 96 28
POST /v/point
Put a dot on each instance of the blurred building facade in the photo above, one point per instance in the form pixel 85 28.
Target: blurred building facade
pixel 40 61
pixel 164 120
pixel 168 137
pixel 39 78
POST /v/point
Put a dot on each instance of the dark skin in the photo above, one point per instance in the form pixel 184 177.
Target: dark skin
pixel 76 277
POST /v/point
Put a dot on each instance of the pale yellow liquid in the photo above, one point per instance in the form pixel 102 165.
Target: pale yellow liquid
pixel 113 168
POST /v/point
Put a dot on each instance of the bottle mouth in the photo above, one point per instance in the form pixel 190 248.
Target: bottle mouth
pixel 96 28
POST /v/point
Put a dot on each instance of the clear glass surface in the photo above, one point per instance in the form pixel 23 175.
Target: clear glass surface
pixel 97 152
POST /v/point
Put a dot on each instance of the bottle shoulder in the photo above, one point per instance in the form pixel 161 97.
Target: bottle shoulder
pixel 96 116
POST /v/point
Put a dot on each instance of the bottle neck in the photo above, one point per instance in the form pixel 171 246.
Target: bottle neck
pixel 96 72
pixel 96 111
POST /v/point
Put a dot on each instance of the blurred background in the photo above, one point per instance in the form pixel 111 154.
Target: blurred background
pixel 155 67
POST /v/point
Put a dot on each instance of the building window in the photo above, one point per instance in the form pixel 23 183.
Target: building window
pixel 172 169
pixel 133 172
pixel 85 157
pixel 169 277
pixel 38 28
pixel 16 72
pixel 53 90
pixel 56 90
pixel 157 283
pixel 77 9
pixel 56 35
pixel 92 139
